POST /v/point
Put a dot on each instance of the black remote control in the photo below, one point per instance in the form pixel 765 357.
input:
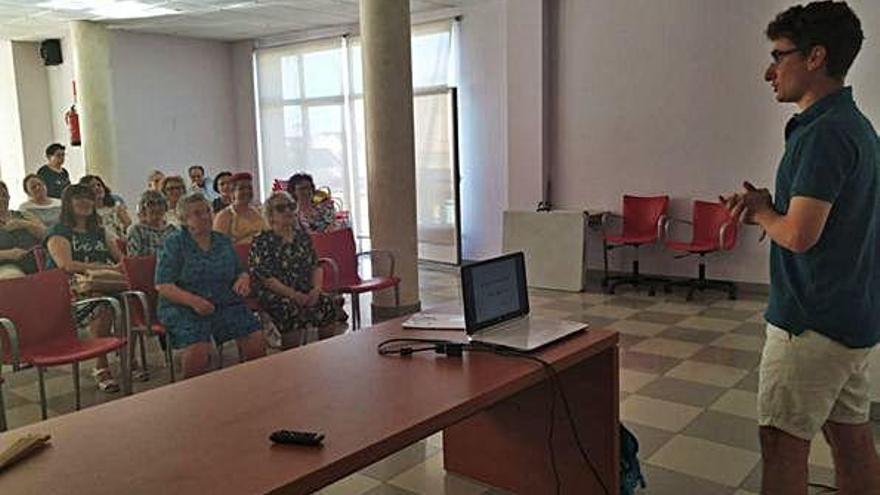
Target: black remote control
pixel 292 437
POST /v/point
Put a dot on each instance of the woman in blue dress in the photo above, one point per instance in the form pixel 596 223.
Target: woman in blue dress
pixel 201 285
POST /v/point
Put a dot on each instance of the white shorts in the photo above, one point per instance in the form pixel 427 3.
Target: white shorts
pixel 808 379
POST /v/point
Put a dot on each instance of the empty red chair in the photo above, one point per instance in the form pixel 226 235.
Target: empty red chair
pixel 40 309
pixel 644 219
pixel 714 230
pixel 140 272
pixel 339 246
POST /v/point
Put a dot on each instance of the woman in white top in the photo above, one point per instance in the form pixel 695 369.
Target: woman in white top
pixel 113 214
pixel 39 204
pixel 173 187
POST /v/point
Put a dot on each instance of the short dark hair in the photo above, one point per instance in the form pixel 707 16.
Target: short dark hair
pixel 27 178
pixel 108 198
pixel 220 177
pixel 830 24
pixel 195 167
pixel 67 217
pixel 298 178
pixel 52 148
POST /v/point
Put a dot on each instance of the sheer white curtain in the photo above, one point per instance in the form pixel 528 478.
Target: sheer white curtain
pixel 311 118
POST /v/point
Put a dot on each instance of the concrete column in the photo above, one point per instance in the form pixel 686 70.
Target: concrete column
pixel 391 173
pixel 94 87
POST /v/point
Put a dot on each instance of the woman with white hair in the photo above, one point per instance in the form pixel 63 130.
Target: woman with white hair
pixel 201 285
pixel 147 236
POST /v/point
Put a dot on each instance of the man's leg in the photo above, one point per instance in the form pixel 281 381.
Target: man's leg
pixel 785 462
pixel 856 464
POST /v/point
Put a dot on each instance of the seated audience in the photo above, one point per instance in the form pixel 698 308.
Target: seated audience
pixel 201 285
pixel 223 188
pixel 317 217
pixel 76 244
pixel 287 276
pixel 147 236
pixel 154 181
pixel 53 173
pixel 200 182
pixel 241 220
pixel 39 203
pixel 113 213
pixel 19 233
pixel 173 187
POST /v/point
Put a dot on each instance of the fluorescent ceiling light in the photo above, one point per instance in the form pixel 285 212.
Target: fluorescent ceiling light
pixel 110 9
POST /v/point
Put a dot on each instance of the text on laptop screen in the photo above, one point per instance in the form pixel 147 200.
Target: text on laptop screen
pixel 496 289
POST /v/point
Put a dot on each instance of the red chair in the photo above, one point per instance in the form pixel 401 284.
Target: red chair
pixel 7 326
pixel 122 244
pixel 644 218
pixel 39 257
pixel 140 272
pixel 43 334
pixel 714 230
pixel 339 246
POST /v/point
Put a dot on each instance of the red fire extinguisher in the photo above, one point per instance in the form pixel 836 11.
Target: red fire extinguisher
pixel 71 118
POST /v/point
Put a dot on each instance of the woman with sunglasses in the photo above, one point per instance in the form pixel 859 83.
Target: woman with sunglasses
pixel 287 276
pixel 241 220
pixel 76 244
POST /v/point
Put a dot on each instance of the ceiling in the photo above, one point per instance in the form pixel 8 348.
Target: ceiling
pixel 212 19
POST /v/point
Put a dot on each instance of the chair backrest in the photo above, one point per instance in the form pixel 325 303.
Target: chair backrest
pixel 140 271
pixel 641 214
pixel 339 246
pixel 39 257
pixel 708 219
pixel 243 250
pixel 40 307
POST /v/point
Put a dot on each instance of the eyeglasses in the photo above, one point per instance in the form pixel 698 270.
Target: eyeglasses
pixel 778 55
pixel 283 207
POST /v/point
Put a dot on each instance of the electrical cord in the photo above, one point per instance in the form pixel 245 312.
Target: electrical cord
pixel 407 346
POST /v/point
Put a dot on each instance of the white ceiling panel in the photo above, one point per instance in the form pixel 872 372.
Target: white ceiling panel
pixel 214 19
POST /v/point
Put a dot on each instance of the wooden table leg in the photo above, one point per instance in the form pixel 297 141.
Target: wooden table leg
pixel 507 445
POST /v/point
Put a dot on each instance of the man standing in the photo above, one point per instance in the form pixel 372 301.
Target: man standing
pixel 53 172
pixel 824 307
pixel 201 182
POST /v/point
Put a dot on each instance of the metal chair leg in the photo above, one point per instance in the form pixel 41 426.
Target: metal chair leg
pixel 142 340
pixel 219 356
pixel 3 425
pixel 355 312
pixel 397 296
pixel 76 391
pixel 169 357
pixel 42 386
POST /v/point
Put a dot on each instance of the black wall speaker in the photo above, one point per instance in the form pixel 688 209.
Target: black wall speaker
pixel 50 50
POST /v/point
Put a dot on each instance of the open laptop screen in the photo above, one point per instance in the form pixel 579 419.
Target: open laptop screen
pixel 494 291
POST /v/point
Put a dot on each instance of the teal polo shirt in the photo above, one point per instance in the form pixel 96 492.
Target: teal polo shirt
pixel 831 154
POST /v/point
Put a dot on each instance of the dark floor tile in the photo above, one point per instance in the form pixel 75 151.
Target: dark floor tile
pixel 749 382
pixel 665 482
pixel 658 317
pixel 750 328
pixel 728 357
pixel 683 392
pixel 627 340
pixel 725 429
pixel 593 321
pixel 727 314
pixel 650 439
pixel 629 302
pixel 647 363
pixel 690 335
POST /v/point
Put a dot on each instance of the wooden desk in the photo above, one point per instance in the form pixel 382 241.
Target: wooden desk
pixel 208 435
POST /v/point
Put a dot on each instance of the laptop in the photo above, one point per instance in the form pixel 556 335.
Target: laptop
pixel 496 306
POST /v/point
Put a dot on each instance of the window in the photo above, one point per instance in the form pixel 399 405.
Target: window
pixel 311 118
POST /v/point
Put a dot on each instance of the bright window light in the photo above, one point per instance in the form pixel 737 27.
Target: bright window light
pixel 110 9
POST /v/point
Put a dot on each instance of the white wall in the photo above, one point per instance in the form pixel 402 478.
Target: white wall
pixel 33 102
pixel 174 106
pixel 11 153
pixel 483 127
pixel 245 113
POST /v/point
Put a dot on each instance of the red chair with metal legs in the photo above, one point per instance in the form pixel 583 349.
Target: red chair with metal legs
pixel 6 326
pixel 644 220
pixel 714 231
pixel 140 272
pixel 42 332
pixel 339 246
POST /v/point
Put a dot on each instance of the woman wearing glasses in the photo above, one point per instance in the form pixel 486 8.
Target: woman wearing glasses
pixel 241 220
pixel 287 277
pixel 147 236
pixel 173 187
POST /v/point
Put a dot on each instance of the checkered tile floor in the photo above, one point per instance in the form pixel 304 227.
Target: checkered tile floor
pixel 688 382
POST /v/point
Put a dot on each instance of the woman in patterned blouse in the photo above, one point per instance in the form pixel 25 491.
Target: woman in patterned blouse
pixel 287 277
pixel 319 217
pixel 147 236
